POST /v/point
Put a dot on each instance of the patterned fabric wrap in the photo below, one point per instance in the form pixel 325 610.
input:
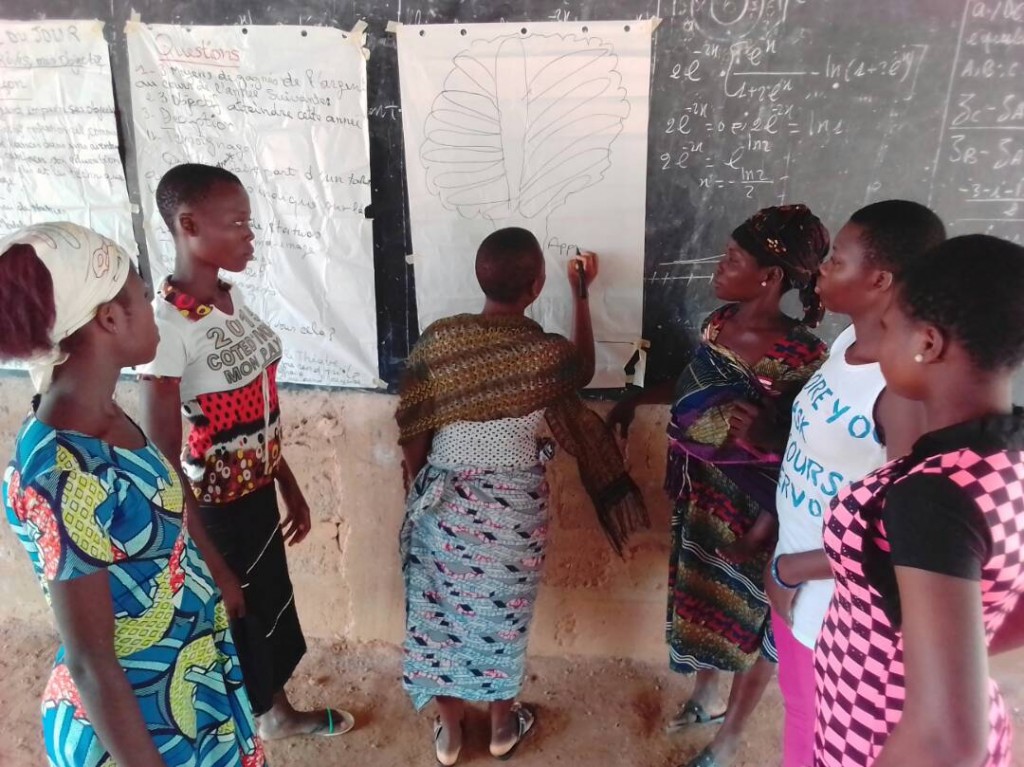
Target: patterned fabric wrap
pixel 859 670
pixel 714 379
pixel 80 506
pixel 480 368
pixel 717 611
pixel 472 550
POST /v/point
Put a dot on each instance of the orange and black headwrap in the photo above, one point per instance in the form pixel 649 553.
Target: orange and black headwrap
pixel 792 238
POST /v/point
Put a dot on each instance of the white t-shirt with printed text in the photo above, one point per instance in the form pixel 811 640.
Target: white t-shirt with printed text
pixel 832 442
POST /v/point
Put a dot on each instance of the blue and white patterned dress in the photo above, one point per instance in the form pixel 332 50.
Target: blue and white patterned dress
pixel 81 506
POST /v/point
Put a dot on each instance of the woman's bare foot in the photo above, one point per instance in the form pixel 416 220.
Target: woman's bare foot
pixel 447 743
pixel 284 721
pixel 698 709
pixel 721 750
pixel 510 722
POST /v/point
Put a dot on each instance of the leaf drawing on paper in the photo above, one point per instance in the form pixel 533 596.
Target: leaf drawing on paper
pixel 523 123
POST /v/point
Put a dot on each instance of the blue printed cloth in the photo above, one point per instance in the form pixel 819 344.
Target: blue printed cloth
pixel 80 506
pixel 472 550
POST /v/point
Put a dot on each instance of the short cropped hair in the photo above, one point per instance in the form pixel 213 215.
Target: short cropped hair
pixel 971 288
pixel 896 232
pixel 508 262
pixel 188 184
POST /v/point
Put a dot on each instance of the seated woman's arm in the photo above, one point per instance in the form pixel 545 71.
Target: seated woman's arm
pixel 85 618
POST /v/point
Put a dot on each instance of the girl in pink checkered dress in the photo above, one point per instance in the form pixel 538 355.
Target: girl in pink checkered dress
pixel 927 551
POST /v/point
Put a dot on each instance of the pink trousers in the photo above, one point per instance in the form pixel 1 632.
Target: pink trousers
pixel 796 678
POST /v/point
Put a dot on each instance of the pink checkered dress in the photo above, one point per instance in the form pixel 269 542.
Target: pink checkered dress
pixel 859 656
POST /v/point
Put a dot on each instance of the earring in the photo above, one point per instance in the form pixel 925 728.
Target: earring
pixel 918 358
pixel 764 283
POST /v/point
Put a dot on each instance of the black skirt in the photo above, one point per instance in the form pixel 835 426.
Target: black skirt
pixel 269 639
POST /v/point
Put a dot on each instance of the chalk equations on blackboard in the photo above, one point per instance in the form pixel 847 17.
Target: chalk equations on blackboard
pixel 284 108
pixel 59 156
pixel 542 126
pixel 763 103
pixel 981 153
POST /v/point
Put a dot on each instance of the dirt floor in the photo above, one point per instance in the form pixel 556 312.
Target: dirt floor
pixel 599 713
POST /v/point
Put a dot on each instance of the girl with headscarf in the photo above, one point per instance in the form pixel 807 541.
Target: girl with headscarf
pixel 729 422
pixel 147 674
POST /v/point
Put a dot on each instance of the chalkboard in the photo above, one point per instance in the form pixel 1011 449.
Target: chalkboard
pixel 753 103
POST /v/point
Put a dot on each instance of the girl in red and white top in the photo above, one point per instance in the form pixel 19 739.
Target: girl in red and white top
pixel 216 366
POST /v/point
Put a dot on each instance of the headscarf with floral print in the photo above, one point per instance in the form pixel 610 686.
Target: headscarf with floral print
pixel 792 238
pixel 87 271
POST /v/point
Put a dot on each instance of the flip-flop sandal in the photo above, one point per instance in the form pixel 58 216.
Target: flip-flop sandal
pixel 437 734
pixel 338 723
pixel 692 714
pixel 526 718
pixel 704 759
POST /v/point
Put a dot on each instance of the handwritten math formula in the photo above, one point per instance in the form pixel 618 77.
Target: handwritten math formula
pixel 763 103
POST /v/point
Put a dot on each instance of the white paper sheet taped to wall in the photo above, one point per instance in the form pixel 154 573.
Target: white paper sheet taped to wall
pixel 284 108
pixel 538 125
pixel 59 157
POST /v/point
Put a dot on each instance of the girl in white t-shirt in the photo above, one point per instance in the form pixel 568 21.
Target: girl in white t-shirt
pixel 844 425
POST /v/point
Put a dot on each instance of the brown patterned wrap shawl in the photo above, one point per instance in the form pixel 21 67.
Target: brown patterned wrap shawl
pixel 481 368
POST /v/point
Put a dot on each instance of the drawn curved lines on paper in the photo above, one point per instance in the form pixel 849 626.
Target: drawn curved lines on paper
pixel 734 20
pixel 522 124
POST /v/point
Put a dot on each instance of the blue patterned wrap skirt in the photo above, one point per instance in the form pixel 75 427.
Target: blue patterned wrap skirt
pixel 472 549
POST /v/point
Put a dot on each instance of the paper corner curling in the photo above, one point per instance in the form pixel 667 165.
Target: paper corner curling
pixel 357 36
pixel 134 22
pixel 92 29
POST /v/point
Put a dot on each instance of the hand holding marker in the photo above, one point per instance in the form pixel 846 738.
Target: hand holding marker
pixel 581 273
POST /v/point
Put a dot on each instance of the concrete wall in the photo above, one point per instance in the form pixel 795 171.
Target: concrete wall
pixel 343 448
